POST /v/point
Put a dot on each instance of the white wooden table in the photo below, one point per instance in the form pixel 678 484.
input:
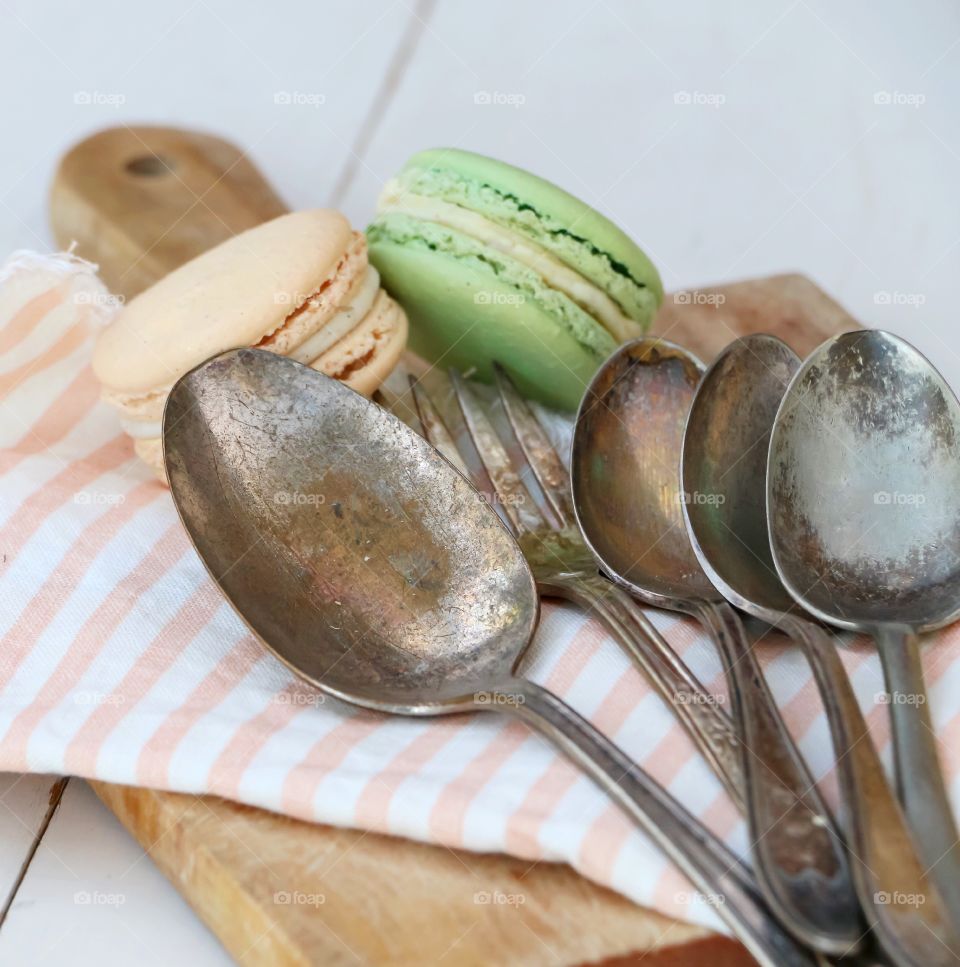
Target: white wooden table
pixel 799 135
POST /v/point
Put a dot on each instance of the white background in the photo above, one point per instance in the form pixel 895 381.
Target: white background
pixel 729 140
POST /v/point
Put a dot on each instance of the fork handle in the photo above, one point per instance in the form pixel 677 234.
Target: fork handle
pixel 699 712
pixel 714 871
pixel 799 857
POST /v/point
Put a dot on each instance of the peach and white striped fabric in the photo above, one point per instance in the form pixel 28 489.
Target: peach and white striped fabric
pixel 119 659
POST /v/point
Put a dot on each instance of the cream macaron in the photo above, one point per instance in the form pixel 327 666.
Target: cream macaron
pixel 299 285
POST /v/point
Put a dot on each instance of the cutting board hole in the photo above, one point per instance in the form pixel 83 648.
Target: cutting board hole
pixel 150 166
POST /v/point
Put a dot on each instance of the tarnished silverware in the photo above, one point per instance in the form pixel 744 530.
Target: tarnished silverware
pixel 562 564
pixel 864 512
pixel 626 489
pixel 725 458
pixel 363 561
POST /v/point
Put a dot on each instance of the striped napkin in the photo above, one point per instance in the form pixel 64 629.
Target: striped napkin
pixel 120 660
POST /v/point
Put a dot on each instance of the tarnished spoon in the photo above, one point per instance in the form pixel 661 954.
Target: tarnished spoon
pixel 368 565
pixel 863 490
pixel 725 459
pixel 625 476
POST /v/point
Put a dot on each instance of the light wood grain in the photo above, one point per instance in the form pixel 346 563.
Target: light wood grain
pixel 385 901
pixel 280 891
pixel 141 201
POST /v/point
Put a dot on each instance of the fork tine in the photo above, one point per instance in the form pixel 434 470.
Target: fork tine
pixel 434 430
pixel 464 458
pixel 512 495
pixel 394 396
pixel 535 445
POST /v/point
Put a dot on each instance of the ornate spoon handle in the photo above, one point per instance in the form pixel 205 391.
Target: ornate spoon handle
pixel 800 858
pixel 920 781
pixel 905 910
pixel 710 728
pixel 711 867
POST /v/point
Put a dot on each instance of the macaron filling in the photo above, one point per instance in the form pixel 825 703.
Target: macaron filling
pixel 637 290
pixel 343 322
pixel 555 273
pixel 395 228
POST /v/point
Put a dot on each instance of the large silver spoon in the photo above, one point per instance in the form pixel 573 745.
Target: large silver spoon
pixel 725 456
pixel 863 490
pixel 368 565
pixel 626 489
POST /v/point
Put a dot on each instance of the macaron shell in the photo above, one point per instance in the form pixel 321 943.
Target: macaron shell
pixel 233 295
pixel 465 313
pixel 562 223
pixel 324 302
pixel 365 357
pixel 363 360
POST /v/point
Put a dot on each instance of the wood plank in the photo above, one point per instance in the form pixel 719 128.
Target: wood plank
pixel 27 803
pixel 725 183
pixel 791 306
pixel 92 896
pixel 217 64
pixel 284 892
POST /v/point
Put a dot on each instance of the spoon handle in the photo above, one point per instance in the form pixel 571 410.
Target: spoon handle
pixel 708 726
pixel 722 879
pixel 904 909
pixel 920 782
pixel 799 856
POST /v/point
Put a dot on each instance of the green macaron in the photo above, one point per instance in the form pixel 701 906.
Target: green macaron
pixel 492 263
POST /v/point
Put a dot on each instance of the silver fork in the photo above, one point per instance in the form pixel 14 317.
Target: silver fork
pixel 560 560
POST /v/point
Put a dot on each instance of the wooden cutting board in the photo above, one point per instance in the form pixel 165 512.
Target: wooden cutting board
pixel 141 201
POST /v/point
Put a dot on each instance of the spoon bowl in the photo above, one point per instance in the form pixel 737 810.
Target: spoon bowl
pixel 624 471
pixel 724 464
pixel 865 486
pixel 343 539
